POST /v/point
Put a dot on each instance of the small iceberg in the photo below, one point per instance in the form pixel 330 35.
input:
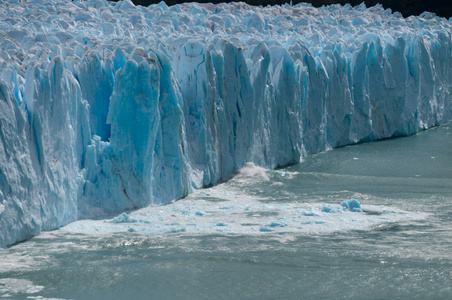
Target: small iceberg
pixel 351 205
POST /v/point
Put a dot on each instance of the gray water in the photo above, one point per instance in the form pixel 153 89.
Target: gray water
pixel 398 247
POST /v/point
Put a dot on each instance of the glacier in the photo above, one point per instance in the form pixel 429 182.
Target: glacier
pixel 108 107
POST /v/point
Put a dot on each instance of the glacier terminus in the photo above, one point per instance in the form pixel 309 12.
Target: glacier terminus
pixel 107 107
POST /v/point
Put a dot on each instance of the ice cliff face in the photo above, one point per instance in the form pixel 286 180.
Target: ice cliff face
pixel 107 106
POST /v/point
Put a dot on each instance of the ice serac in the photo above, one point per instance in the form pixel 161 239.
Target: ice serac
pixel 106 107
pixel 39 152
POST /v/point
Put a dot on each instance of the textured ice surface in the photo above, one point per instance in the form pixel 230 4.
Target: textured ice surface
pixel 351 205
pixel 106 107
pixel 226 210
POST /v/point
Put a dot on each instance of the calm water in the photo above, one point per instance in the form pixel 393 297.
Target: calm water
pixel 267 234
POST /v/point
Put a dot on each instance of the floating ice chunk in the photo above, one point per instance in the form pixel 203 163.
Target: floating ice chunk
pixel 312 212
pixel 124 218
pixel 226 207
pixel 265 229
pixel 177 230
pixel 314 222
pixel 276 224
pixel 193 213
pixel 332 208
pixel 351 205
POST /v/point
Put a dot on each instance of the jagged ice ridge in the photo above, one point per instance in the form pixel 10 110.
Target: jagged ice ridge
pixel 106 107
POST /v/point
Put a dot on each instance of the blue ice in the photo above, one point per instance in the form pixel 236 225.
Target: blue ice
pixel 107 107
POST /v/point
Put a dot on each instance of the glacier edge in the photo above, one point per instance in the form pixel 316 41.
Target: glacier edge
pixel 108 119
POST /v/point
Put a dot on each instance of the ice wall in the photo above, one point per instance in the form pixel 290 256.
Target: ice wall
pixel 106 107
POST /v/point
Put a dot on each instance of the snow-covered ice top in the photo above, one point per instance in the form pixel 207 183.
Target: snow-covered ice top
pixel 107 106
pixel 37 31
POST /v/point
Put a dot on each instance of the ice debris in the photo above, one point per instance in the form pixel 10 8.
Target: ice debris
pixel 351 205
